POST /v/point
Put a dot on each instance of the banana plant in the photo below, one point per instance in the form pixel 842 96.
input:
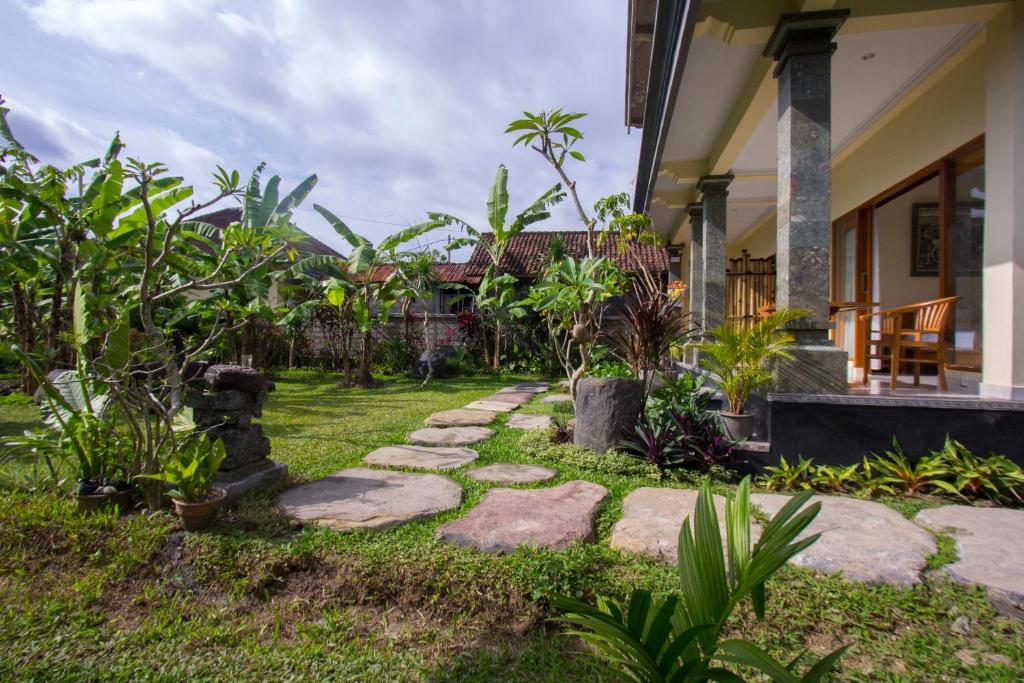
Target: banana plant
pixel 374 294
pixel 681 639
pixel 496 289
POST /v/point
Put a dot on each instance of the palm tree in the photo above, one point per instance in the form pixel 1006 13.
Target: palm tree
pixel 417 279
pixel 496 288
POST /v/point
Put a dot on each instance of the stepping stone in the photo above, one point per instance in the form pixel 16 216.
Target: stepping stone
pixel 505 473
pixel 525 421
pixel 493 406
pixel 556 398
pixel 421 457
pixel 505 519
pixel 652 518
pixel 515 397
pixel 864 541
pixel 449 436
pixel 990 542
pixel 361 498
pixel 529 387
pixel 460 417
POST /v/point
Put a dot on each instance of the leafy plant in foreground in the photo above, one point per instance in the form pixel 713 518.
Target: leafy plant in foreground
pixel 910 478
pixel 785 476
pixel 995 477
pixel 190 470
pixel 681 638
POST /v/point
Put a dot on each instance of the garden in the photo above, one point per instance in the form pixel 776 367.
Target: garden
pixel 589 511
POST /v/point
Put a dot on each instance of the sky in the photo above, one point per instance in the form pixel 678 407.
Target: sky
pixel 399 106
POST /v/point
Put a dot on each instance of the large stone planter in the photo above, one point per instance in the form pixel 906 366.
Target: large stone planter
pixel 607 409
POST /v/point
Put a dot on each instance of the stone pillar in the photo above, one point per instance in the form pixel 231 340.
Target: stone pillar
pixel 715 190
pixel 696 279
pixel 802 47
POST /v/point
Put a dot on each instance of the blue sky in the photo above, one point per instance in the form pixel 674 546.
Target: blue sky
pixel 398 106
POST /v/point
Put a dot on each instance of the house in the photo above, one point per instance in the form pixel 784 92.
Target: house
pixel 307 245
pixel 529 252
pixel 855 156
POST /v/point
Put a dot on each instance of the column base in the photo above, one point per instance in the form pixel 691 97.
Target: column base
pixel 1007 393
pixel 814 369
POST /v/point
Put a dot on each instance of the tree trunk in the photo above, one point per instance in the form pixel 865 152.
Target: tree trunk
pixel 427 345
pixel 496 358
pixel 54 345
pixel 26 332
pixel 364 361
pixel 291 352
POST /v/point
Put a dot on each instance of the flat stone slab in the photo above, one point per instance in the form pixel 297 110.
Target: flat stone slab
pixel 492 406
pixel 556 398
pixel 460 417
pixel 449 436
pixel 422 457
pixel 526 421
pixel 505 519
pixel 514 397
pixel 863 541
pixel 361 498
pixel 506 473
pixel 529 387
pixel 252 477
pixel 990 542
pixel 652 518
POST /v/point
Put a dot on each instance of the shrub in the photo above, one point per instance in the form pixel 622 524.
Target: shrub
pixel 394 355
pixel 538 444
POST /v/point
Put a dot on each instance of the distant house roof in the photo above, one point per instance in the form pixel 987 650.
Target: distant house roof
pixel 308 245
pixel 447 272
pixel 527 253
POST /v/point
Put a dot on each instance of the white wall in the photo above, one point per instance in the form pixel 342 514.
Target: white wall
pixel 894 285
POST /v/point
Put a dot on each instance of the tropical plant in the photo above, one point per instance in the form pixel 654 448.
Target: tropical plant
pixel 681 638
pixel 784 476
pixel 190 469
pixel 496 293
pixel 418 279
pixel 836 479
pixel 374 294
pixel 996 477
pixel 572 297
pixel 896 470
pixel 738 357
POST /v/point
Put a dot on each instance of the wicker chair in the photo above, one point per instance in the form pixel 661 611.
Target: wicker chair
pixel 919 342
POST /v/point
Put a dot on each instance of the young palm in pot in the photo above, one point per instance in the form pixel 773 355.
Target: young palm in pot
pixel 189 472
pixel 740 358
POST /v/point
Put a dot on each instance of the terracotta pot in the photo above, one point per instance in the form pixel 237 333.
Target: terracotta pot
pixel 93 501
pixel 199 516
pixel 737 427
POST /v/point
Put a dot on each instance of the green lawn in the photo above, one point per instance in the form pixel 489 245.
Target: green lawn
pixel 259 598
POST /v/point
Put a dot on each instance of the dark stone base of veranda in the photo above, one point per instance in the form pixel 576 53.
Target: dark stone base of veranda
pixel 256 475
pixel 839 430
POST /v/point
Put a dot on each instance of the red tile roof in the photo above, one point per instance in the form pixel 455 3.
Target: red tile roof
pixel 307 245
pixel 528 251
pixel 447 272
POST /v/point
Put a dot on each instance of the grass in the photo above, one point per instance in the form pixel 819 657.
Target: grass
pixel 258 598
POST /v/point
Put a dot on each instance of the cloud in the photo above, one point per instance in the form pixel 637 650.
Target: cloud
pixel 398 106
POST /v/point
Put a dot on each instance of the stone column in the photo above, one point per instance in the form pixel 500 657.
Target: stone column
pixel 802 47
pixel 696 279
pixel 715 189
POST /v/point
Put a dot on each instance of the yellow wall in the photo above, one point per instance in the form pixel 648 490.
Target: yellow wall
pixel 943 118
pixel 759 242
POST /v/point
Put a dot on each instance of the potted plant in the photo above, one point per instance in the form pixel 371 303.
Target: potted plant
pixel 189 474
pixel 739 358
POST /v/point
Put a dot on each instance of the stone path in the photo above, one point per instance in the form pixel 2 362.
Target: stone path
pixel 504 473
pixel 508 518
pixel 525 421
pixel 361 498
pixel 556 398
pixel 990 542
pixel 529 387
pixel 652 518
pixel 449 436
pixel 517 398
pixel 460 417
pixel 492 406
pixel 421 457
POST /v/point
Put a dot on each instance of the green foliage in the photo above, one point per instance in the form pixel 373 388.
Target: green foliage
pixel 538 444
pixel 550 129
pixel 394 355
pixel 681 638
pixel 610 368
pixel 953 470
pixel 190 468
pixel 738 356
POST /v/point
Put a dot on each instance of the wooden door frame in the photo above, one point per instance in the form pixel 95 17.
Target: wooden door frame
pixel 863 269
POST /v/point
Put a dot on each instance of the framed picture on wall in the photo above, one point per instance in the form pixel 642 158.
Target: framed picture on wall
pixel 967 242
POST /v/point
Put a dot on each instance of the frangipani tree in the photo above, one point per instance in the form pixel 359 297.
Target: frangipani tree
pixel 373 295
pixel 497 290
